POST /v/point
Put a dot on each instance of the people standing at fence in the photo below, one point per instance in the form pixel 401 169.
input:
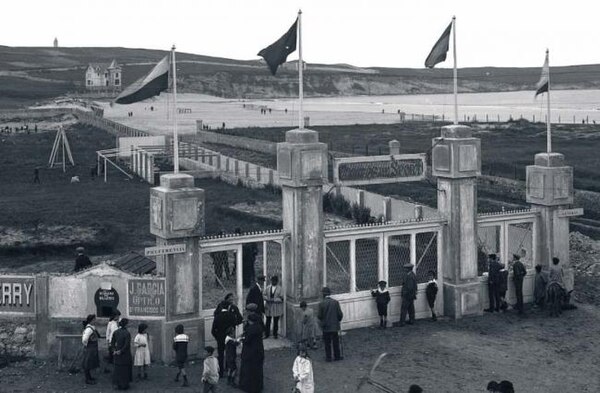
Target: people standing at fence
pixel 273 307
pixel 111 328
pixel 231 344
pixel 303 372
pixel 249 252
pixel 382 299
pixel 255 295
pixel 141 342
pixel 253 356
pixel 503 288
pixel 494 268
pixel 519 273
pixel 180 345
pixel 122 373
pixel 226 316
pixel 82 261
pixel 539 287
pixel 307 333
pixel 431 291
pixel 409 295
pixel 210 371
pixel 89 339
pixel 330 315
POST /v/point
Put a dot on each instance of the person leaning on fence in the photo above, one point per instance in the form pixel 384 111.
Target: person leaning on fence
pixel 89 339
pixel 494 278
pixel 503 288
pixel 330 315
pixel 519 273
pixel 382 299
pixel 431 291
pixel 307 333
pixel 539 287
pixel 409 295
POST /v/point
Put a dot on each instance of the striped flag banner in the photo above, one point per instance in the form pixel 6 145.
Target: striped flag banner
pixel 155 82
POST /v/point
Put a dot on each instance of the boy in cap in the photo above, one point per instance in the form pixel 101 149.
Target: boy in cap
pixel 382 298
pixel 409 295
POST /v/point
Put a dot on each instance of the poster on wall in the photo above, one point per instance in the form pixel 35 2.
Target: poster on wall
pixel 146 298
pixel 17 294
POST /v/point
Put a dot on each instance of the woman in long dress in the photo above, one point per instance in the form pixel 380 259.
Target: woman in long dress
pixel 122 356
pixel 253 356
pixel 89 339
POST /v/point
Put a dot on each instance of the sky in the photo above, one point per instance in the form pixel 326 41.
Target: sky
pixel 386 33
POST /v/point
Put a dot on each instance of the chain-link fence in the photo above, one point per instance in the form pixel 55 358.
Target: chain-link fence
pixel 218 277
pixel 273 262
pixel 337 265
pixel 367 263
pixel 398 255
pixel 427 257
pixel 488 242
pixel 520 242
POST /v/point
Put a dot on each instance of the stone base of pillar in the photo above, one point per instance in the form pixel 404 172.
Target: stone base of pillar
pixel 461 300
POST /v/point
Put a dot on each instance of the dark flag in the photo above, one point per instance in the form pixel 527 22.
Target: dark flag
pixel 542 85
pixel 440 49
pixel 277 53
pixel 155 82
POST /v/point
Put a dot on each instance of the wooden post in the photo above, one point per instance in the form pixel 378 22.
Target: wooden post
pixel 105 169
pixel 352 265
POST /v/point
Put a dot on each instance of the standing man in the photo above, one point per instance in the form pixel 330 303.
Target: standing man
pixel 36 175
pixel 226 316
pixel 82 261
pixel 255 295
pixel 519 273
pixel 409 295
pixel 330 315
pixel 494 278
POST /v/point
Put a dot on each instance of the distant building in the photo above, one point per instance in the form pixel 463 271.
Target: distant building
pixel 55 42
pixel 103 77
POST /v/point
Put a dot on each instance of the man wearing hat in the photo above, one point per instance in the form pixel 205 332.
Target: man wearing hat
pixel 494 281
pixel 255 295
pixel 330 315
pixel 82 261
pixel 519 273
pixel 409 294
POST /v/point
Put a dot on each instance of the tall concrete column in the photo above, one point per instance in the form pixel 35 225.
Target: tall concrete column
pixel 302 166
pixel 456 161
pixel 550 190
pixel 177 217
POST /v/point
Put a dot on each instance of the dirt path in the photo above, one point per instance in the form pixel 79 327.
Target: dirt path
pixel 535 352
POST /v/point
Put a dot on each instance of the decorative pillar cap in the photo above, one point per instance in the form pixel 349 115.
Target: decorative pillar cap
pixel 302 136
pixel 174 181
pixel 457 131
pixel 550 159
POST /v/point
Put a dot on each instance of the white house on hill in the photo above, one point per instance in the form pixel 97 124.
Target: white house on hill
pixel 103 76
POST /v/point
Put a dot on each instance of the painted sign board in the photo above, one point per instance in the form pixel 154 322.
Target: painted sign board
pixel 570 212
pixel 395 168
pixel 146 298
pixel 17 294
pixel 164 250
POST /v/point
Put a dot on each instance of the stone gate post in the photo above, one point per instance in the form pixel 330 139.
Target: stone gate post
pixel 302 166
pixel 456 162
pixel 177 217
pixel 550 190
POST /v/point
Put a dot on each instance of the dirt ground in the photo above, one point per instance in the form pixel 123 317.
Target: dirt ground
pixel 537 353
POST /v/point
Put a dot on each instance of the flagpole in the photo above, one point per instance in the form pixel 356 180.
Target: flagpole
pixel 300 76
pixel 548 122
pixel 455 71
pixel 175 136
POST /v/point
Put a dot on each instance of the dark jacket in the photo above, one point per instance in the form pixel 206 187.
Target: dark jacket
pixel 82 262
pixel 330 315
pixel 519 271
pixel 494 276
pixel 122 342
pixel 180 346
pixel 409 288
pixel 255 296
pixel 381 297
pixel 226 315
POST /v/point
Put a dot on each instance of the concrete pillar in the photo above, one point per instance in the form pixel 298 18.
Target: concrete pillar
pixel 227 164
pixel 151 169
pixel 302 167
pixel 247 170
pixel 143 165
pixel 177 217
pixel 236 167
pixel 456 162
pixel 394 146
pixel 550 190
pixel 258 169
pixel 271 177
pixel 387 209
pixel 360 198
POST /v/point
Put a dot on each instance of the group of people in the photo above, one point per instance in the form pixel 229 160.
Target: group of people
pixel 17 129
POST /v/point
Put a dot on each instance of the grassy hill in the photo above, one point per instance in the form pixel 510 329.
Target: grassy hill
pixel 36 73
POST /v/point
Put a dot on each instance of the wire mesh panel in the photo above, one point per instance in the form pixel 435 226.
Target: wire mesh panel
pixel 488 242
pixel 427 257
pixel 273 260
pixel 367 265
pixel 398 255
pixel 520 242
pixel 337 266
pixel 218 277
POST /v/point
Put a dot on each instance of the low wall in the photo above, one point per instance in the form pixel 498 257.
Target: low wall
pixel 237 141
pixel 17 337
pixel 35 113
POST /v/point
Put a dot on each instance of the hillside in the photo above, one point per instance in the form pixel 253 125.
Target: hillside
pixel 36 73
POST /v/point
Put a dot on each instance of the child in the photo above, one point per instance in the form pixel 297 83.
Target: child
pixel 180 344
pixel 303 372
pixel 382 298
pixel 307 335
pixel 111 327
pixel 431 291
pixel 539 288
pixel 210 375
pixel 142 352
pixel 231 344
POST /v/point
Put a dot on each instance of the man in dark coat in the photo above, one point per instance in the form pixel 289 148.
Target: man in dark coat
pixel 253 356
pixel 123 361
pixel 519 272
pixel 226 315
pixel 494 282
pixel 249 252
pixel 82 261
pixel 409 295
pixel 330 315
pixel 255 295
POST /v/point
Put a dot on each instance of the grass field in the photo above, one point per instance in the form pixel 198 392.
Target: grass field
pixel 51 218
